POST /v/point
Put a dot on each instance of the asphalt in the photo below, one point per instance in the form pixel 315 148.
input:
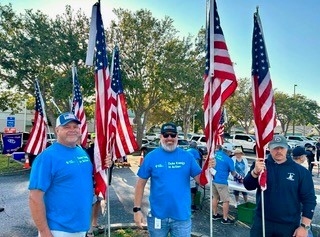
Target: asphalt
pixel 16 220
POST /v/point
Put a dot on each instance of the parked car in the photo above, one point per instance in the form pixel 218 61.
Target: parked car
pixel 245 141
pixel 301 140
pixel 152 136
pixel 201 140
pixel 151 145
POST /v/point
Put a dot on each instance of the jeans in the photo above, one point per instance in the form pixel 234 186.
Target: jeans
pixel 56 233
pixel 168 225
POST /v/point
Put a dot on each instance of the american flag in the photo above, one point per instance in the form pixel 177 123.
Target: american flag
pixel 219 79
pixel 78 109
pixel 125 142
pixel 38 137
pixel 102 91
pixel 219 137
pixel 262 94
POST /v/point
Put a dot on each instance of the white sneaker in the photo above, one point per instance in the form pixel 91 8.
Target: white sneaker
pixel 236 205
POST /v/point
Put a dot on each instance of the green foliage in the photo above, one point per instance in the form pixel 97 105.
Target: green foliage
pixel 9 166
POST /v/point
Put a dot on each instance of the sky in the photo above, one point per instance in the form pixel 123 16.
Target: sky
pixel 291 31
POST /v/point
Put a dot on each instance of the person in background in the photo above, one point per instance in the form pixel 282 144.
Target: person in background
pixel 224 166
pixel 241 167
pixel 61 184
pixel 193 184
pixel 310 150
pixel 169 169
pixel 289 186
pixel 318 149
pixel 299 155
pixel 96 202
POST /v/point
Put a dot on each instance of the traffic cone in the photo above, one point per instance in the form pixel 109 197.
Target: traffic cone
pixel 141 158
pixel 26 163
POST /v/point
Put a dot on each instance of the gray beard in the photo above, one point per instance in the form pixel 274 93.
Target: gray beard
pixel 168 148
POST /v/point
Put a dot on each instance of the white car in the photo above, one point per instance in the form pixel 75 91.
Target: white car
pixel 152 136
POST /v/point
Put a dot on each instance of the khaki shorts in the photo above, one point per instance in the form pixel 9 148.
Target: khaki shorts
pixel 221 192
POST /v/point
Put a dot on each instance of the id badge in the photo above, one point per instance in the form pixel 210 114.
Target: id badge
pixel 157 223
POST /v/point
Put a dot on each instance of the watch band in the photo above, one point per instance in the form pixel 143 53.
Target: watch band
pixel 307 227
pixel 136 209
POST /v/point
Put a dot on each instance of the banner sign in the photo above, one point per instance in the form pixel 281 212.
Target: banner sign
pixel 11 142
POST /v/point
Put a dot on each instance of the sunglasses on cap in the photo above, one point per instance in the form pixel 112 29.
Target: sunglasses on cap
pixel 166 135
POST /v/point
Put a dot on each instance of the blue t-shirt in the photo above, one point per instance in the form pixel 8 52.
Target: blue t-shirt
pixel 170 174
pixel 224 165
pixel 195 153
pixel 64 174
pixel 240 167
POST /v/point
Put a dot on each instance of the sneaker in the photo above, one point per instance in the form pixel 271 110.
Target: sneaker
pixel 236 205
pixel 227 221
pixel 217 217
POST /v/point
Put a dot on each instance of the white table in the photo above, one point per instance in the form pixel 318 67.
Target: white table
pixel 233 185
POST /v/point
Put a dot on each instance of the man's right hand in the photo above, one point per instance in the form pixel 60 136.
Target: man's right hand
pixel 139 219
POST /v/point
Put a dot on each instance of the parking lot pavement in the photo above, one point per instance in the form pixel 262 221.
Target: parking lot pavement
pixel 16 220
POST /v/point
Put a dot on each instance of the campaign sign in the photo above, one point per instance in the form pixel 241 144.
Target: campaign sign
pixel 11 142
pixel 11 122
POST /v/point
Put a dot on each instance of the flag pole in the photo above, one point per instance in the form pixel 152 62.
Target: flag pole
pixel 209 21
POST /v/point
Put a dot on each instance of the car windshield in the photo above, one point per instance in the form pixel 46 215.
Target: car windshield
pixel 183 142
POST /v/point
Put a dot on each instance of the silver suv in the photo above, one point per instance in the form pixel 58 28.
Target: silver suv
pixel 301 140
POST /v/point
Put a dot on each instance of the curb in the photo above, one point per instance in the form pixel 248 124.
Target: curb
pixel 117 226
pixel 15 172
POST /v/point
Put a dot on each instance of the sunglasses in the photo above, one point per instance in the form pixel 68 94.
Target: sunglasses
pixel 166 135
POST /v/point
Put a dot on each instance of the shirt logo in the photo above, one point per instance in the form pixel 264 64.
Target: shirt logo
pixel 290 177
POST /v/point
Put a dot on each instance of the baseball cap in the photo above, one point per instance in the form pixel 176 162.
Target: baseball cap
pixel 278 141
pixel 65 118
pixel 228 147
pixel 168 127
pixel 298 151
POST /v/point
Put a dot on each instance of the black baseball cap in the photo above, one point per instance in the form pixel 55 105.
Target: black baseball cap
pixel 168 127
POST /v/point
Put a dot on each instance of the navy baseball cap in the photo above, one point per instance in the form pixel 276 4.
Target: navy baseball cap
pixel 299 151
pixel 168 127
pixel 65 118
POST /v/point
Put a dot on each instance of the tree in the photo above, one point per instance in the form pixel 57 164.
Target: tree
pixel 239 106
pixel 35 46
pixel 155 64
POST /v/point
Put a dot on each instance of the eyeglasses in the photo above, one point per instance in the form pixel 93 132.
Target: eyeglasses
pixel 166 135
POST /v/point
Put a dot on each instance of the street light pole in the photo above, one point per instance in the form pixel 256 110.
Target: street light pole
pixel 294 98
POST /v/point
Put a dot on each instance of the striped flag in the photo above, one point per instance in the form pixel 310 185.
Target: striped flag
pixel 125 142
pixel 219 137
pixel 77 107
pixel 102 92
pixel 219 79
pixel 38 137
pixel 262 93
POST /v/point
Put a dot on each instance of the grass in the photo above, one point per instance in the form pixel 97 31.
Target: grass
pixel 127 233
pixel 10 167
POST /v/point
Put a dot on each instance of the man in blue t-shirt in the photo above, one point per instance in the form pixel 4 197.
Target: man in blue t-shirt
pixel 169 169
pixel 61 184
pixel 224 166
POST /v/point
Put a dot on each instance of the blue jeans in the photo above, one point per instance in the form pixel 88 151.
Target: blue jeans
pixel 168 225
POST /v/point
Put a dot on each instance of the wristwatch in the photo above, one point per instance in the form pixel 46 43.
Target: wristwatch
pixel 307 227
pixel 136 209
